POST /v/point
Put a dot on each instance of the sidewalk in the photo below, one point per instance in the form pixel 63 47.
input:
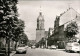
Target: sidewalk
pixel 13 52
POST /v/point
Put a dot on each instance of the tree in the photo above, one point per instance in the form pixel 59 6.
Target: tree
pixel 2 21
pixel 50 41
pixel 10 26
pixel 42 42
pixel 17 30
pixel 71 30
pixel 24 38
pixel 8 12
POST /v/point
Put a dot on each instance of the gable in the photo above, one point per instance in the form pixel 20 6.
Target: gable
pixel 67 16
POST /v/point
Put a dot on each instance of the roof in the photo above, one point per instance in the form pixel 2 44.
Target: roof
pixel 69 15
pixel 40 17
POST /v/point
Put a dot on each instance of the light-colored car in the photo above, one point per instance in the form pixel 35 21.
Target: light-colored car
pixel 21 49
pixel 53 47
pixel 49 47
pixel 33 47
pixel 72 47
pixel 26 47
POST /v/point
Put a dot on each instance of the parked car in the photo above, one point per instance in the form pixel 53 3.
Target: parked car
pixel 72 47
pixel 21 49
pixel 53 47
pixel 26 47
pixel 33 47
pixel 49 47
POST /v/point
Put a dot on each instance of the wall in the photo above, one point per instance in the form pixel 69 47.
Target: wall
pixel 39 35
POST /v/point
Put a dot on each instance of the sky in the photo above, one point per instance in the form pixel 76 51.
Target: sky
pixel 29 11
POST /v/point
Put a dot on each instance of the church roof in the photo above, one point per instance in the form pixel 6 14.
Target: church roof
pixel 67 16
pixel 40 17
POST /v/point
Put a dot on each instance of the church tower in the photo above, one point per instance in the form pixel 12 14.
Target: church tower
pixel 40 31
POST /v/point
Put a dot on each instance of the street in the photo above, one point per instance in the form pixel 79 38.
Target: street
pixel 46 52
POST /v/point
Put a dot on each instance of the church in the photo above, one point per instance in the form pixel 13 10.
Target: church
pixel 40 30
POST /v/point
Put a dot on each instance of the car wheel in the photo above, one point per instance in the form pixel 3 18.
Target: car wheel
pixel 16 52
pixel 68 51
pixel 54 48
pixel 25 52
pixel 78 51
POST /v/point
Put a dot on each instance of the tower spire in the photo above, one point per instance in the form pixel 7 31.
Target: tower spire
pixel 40 10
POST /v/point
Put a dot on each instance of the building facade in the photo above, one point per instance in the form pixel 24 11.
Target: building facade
pixel 60 24
pixel 50 31
pixel 40 31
